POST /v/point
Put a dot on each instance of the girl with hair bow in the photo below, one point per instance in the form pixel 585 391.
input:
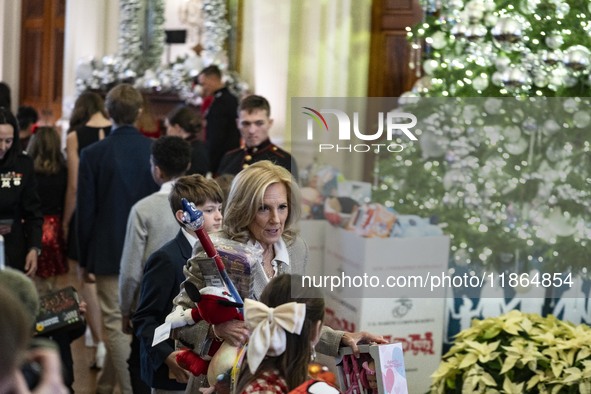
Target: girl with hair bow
pixel 285 327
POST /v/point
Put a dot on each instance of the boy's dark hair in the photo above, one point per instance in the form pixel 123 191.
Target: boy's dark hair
pixel 26 116
pixel 196 189
pixel 211 71
pixel 254 103
pixel 172 155
pixel 123 103
pixel 188 119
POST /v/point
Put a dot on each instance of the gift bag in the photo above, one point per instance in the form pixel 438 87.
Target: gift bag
pixel 379 369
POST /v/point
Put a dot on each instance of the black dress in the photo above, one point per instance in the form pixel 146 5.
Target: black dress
pixel 20 203
pixel 86 135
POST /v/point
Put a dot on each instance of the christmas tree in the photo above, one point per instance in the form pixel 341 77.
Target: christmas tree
pixel 504 127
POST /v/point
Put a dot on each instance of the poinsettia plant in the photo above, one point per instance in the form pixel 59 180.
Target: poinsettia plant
pixel 517 353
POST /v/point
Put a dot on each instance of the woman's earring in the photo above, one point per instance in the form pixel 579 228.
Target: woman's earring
pixel 313 353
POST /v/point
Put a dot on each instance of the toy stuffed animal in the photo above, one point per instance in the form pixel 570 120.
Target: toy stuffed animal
pixel 214 305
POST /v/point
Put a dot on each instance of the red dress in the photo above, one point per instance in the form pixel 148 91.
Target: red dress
pixel 52 190
pixel 268 382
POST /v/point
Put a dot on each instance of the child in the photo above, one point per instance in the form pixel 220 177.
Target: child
pixel 279 364
pixel 149 226
pixel 52 177
pixel 162 278
pixel 27 120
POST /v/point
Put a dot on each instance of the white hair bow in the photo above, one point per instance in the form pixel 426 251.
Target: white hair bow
pixel 268 326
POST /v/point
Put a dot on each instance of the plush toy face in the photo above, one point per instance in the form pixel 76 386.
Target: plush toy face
pixel 211 306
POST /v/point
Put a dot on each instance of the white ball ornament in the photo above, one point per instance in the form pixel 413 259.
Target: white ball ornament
pixel 555 40
pixel 480 83
pixel 439 40
pixel 430 66
pixel 577 58
pixel 507 30
pixel 582 119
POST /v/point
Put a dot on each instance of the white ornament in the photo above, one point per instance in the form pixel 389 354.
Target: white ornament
pixel 577 57
pixel 480 83
pixel 430 66
pixel 582 119
pixel 439 40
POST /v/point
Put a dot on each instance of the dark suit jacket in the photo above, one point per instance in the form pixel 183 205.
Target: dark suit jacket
pixel 222 134
pixel 114 174
pixel 199 158
pixel 161 282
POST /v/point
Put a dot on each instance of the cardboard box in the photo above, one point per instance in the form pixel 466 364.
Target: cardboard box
pixel 411 317
pixel 313 233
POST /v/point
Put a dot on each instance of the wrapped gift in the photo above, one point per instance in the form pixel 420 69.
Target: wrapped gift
pixel 238 259
pixel 59 310
pixel 379 369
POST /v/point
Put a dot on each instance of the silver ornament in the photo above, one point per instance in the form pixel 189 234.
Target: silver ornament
pixel 459 30
pixel 577 57
pixel 497 78
pixel 430 66
pixel 480 83
pixel 516 147
pixel 529 6
pixel 540 79
pixel 554 40
pixel 582 119
pixel 551 57
pixel 475 32
pixel 515 77
pixel 570 105
pixel 438 40
pixel 512 133
pixel 507 30
pixel 562 9
pixel 502 62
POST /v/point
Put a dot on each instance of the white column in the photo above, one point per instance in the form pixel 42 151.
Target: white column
pixel 91 31
pixel 266 56
pixel 10 22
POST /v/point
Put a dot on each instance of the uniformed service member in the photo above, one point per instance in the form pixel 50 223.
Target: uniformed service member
pixel 254 123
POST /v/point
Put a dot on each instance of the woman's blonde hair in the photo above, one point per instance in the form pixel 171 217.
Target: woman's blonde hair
pixel 246 197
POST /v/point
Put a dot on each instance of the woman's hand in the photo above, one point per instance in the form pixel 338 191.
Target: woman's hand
pixel 351 339
pixel 234 332
pixel 65 232
pixel 5 229
pixel 31 263
pixel 175 371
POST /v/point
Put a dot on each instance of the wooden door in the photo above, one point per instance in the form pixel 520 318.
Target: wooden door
pixel 42 56
pixel 389 71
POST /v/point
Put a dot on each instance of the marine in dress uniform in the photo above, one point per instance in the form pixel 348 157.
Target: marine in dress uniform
pixel 236 160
